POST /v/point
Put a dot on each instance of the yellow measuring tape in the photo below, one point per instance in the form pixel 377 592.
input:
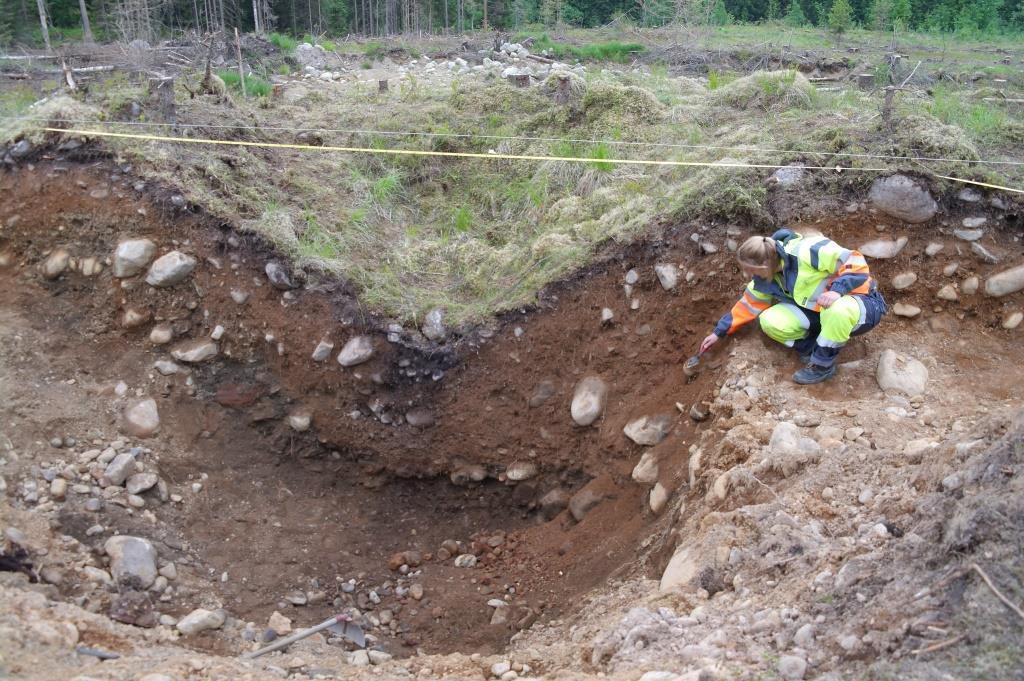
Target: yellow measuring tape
pixel 492 156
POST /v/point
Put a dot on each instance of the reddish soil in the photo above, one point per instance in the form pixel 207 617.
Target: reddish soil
pixel 281 508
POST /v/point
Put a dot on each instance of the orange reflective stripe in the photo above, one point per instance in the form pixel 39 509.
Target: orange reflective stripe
pixel 760 305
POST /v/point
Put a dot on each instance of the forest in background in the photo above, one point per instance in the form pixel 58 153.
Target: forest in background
pixel 36 23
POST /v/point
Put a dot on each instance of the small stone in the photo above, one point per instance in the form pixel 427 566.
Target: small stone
pixel 217 333
pixel 865 496
pixel 299 421
pixel 668 275
pixel 194 352
pixel 161 334
pixel 901 373
pixel 544 391
pixel 588 400
pixel 200 620
pixel 933 249
pixel 521 470
pixel 357 350
pixel 970 286
pixel 792 668
pixel 968 234
pixel 140 482
pixel 378 656
pixel 141 419
pixel 359 658
pixel 416 591
pixel 278 276
pixel 322 351
pixel 984 254
pixel 56 263
pixel 648 430
pixel 906 310
pixel 947 292
pixel 433 325
pixel 466 560
pixel 658 498
pixel 699 412
pixel 646 470
pixel 239 296
pixel 584 501
pixel 1006 282
pixel 969 195
pixel 499 668
pixel 804 636
pixel 904 280
pixel 420 417
pixel 279 624
pixel 118 470
pixel 950 269
pixel 58 488
pixel 297 598
pixel 632 277
pixel 607 315
pixel 132 560
pixel 131 257
pixel 883 249
pixel 974 222
pixel 1013 319
pixel 170 269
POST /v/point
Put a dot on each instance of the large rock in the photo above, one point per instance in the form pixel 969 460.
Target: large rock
pixel 588 400
pixel 648 430
pixel 680 570
pixel 1006 282
pixel 901 197
pixel 170 269
pixel 132 561
pixel 901 373
pixel 195 351
pixel 132 256
pixel 199 620
pixel 140 482
pixel 357 350
pixel 141 418
pixel 883 249
pixel 433 325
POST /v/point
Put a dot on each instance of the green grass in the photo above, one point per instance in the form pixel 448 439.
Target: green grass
pixel 612 50
pixel 283 42
pixel 254 85
pixel 16 100
pixel 982 121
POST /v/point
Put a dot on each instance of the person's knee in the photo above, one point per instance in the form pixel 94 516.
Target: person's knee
pixel 841 317
pixel 780 325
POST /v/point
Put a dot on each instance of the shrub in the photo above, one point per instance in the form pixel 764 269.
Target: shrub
pixel 254 85
pixel 283 42
pixel 765 90
pixel 795 16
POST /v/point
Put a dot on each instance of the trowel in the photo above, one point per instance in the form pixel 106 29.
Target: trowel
pixel 692 366
pixel 341 625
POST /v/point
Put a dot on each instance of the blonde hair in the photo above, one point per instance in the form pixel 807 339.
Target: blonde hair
pixel 758 251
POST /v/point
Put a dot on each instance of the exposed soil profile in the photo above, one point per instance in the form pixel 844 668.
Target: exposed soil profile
pixel 295 476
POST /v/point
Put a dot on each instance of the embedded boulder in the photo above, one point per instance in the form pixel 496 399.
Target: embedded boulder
pixel 900 197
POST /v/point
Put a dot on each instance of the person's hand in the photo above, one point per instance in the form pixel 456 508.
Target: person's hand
pixel 828 298
pixel 708 342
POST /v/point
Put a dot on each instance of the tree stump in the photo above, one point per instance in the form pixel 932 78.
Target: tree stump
pixel 382 85
pixel 865 81
pixel 520 79
pixel 161 96
pixel 563 92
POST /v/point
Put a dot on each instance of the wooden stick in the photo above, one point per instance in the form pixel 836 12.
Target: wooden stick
pixel 999 595
pixel 940 645
pixel 907 79
pixel 241 71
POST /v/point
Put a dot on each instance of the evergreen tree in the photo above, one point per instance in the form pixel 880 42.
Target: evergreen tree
pixel 795 16
pixel 719 15
pixel 773 10
pixel 840 17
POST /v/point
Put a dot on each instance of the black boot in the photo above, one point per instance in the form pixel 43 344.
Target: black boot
pixel 812 373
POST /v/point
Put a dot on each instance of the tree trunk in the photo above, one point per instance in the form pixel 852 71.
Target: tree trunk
pixel 446 16
pixel 42 21
pixel 195 14
pixel 86 28
pixel 485 15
